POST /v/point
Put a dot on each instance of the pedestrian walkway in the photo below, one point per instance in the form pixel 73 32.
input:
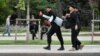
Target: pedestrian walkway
pixel 37 50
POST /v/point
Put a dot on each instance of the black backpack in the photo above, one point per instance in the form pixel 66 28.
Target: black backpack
pixel 66 23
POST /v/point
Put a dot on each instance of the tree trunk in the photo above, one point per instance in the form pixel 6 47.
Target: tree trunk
pixel 91 5
pixel 59 6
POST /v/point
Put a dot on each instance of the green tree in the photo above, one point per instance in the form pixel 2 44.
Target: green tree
pixel 36 5
pixel 4 10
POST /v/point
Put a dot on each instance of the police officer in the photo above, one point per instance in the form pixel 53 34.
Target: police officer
pixel 75 28
pixel 55 23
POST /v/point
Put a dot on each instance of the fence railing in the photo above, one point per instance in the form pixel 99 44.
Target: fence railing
pixel 27 33
pixel 92 28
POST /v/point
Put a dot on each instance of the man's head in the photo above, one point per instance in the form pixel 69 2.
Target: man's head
pixel 77 10
pixel 72 7
pixel 48 9
pixel 9 16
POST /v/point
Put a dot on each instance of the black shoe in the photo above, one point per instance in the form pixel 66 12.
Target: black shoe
pixel 81 47
pixel 72 49
pixel 77 47
pixel 61 48
pixel 47 48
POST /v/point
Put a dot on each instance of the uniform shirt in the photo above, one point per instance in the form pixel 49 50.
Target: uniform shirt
pixel 74 19
pixel 8 20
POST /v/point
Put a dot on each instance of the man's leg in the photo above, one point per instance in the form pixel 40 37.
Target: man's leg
pixel 59 35
pixel 49 34
pixel 8 27
pixel 33 35
pixel 79 45
pixel 74 38
pixel 42 35
pixel 77 41
pixel 5 31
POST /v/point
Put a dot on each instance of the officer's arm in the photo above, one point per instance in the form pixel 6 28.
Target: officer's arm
pixel 45 16
pixel 51 19
pixel 77 19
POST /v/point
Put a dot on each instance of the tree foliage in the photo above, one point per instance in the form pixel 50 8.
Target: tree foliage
pixel 8 7
pixel 4 10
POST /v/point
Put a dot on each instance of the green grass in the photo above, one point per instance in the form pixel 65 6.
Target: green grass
pixel 41 42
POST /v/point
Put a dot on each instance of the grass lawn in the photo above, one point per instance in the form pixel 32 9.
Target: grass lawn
pixel 41 42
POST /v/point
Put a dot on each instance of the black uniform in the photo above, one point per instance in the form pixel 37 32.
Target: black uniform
pixel 43 31
pixel 33 29
pixel 54 29
pixel 75 20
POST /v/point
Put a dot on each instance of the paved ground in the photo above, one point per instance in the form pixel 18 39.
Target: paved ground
pixel 39 49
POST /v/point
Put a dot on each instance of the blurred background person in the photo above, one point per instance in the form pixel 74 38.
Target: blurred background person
pixel 44 29
pixel 33 29
pixel 7 31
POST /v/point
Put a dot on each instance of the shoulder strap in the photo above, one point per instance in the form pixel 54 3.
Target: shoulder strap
pixel 54 17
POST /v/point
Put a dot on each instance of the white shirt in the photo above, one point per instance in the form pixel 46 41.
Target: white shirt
pixel 8 20
pixel 58 20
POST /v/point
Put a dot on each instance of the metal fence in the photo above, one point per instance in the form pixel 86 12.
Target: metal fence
pixel 27 27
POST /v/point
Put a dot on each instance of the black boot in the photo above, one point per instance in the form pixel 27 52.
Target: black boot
pixel 61 48
pixel 47 48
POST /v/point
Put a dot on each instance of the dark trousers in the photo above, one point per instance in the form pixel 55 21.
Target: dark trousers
pixel 42 33
pixel 74 39
pixel 33 36
pixel 55 29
